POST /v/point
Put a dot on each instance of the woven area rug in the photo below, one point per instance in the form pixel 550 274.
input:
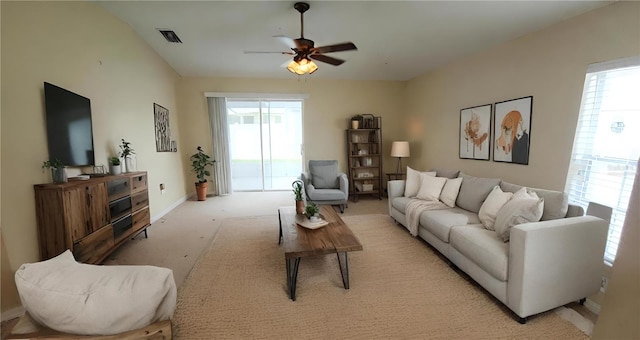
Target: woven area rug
pixel 399 289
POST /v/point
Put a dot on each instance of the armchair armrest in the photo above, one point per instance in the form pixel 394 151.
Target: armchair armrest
pixel 394 189
pixel 554 262
pixel 344 183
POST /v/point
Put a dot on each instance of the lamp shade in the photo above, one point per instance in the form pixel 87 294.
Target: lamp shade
pixel 400 149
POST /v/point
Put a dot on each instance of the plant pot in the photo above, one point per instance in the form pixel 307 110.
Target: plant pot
pixel 300 207
pixel 130 163
pixel 355 124
pixel 201 191
pixel 115 169
pixel 59 175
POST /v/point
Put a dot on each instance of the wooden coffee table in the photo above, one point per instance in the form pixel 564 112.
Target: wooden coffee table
pixel 334 238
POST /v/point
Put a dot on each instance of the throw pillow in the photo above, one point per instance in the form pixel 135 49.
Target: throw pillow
pixel 496 199
pixel 324 176
pixel 517 211
pixel 446 172
pixel 412 184
pixel 430 187
pixel 450 191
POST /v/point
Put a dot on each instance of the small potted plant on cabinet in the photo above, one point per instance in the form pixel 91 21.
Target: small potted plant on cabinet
pixel 58 173
pixel 114 165
pixel 127 154
pixel 355 121
pixel 199 163
pixel 297 190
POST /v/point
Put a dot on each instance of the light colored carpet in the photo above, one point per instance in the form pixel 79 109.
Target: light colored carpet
pixel 399 289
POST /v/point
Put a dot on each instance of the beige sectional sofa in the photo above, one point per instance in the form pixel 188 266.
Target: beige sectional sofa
pixel 545 264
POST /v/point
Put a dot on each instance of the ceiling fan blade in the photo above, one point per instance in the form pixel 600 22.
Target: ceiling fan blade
pixel 263 52
pixel 286 40
pixel 348 46
pixel 326 59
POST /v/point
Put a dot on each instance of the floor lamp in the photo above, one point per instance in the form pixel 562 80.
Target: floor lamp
pixel 400 149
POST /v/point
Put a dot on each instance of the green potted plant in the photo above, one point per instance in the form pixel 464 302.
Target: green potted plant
pixel 58 173
pixel 297 190
pixel 312 212
pixel 199 163
pixel 127 153
pixel 114 165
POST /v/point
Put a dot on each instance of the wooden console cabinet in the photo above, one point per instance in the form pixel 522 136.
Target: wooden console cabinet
pixel 91 217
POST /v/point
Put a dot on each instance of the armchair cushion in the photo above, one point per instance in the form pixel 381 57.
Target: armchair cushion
pixel 324 174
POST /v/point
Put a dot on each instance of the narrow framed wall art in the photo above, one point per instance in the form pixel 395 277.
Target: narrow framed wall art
pixel 475 131
pixel 163 133
pixel 512 119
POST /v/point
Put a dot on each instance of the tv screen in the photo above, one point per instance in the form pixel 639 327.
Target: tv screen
pixel 69 132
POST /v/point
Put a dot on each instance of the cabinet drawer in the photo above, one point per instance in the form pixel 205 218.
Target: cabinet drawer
pixel 93 247
pixel 139 201
pixel 118 188
pixel 141 219
pixel 138 183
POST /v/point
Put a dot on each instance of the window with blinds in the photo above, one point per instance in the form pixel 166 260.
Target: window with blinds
pixel 607 142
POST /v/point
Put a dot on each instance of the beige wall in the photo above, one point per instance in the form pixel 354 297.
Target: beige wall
pixel 82 48
pixel 550 65
pixel 326 112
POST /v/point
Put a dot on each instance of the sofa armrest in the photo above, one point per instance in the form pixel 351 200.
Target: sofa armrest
pixel 552 263
pixel 394 189
pixel 344 183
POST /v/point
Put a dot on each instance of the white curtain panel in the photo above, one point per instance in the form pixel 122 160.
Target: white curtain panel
pixel 220 137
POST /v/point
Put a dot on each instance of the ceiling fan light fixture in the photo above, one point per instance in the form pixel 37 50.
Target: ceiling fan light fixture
pixel 303 66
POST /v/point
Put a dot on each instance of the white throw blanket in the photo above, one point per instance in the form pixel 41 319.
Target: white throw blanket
pixel 415 207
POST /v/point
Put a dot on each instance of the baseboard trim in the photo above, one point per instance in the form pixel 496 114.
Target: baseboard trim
pixel 592 306
pixel 169 208
pixel 12 313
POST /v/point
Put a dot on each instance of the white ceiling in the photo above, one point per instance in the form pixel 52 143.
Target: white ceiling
pixel 396 40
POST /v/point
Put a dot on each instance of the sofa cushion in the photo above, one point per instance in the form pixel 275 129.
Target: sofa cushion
pixel 86 299
pixel 450 191
pixel 324 175
pixel 430 187
pixel 483 248
pixel 496 200
pixel 446 173
pixel 440 222
pixel 517 211
pixel 412 184
pixel 474 190
pixel 556 203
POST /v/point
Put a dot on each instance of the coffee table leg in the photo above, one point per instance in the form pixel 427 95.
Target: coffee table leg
pixel 344 271
pixel 292 276
pixel 280 223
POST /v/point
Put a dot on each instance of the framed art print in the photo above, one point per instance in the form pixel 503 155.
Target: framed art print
pixel 163 133
pixel 512 131
pixel 475 131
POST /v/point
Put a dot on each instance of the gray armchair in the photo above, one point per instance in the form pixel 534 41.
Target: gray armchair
pixel 325 184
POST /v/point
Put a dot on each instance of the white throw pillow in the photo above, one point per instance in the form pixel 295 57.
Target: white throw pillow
pixel 430 187
pixel 85 299
pixel 412 184
pixel 489 209
pixel 450 191
pixel 524 193
pixel 518 211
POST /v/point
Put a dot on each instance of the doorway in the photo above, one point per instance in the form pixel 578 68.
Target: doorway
pixel 265 140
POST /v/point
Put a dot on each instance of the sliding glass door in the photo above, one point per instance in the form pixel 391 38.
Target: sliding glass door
pixel 265 139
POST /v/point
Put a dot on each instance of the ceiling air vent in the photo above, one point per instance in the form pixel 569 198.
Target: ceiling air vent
pixel 170 35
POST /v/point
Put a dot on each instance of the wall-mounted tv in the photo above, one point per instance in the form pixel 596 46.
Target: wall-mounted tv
pixel 69 131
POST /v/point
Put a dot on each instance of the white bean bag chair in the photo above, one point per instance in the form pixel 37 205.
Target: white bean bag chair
pixel 78 298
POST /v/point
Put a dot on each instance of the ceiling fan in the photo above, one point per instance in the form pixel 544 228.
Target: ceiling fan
pixel 303 50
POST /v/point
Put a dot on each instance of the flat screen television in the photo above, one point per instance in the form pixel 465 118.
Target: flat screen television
pixel 69 131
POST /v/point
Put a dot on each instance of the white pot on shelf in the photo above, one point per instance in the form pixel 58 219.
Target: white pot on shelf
pixel 130 163
pixel 115 169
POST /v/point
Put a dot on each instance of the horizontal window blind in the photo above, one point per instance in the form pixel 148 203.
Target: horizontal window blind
pixel 607 142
